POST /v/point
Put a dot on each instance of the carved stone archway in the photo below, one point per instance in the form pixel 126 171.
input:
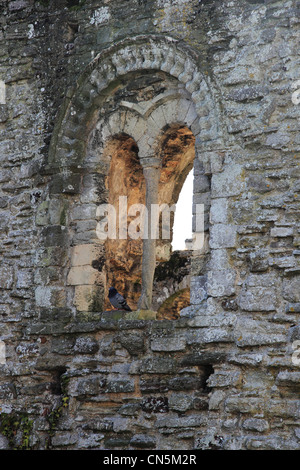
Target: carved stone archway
pixel 141 53
pixel 190 102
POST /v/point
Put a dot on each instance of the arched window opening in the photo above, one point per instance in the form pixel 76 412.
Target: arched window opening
pixel 140 89
pixel 126 188
pixel 182 228
pixel 171 287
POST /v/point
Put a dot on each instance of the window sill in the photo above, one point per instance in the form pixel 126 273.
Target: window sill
pixel 134 315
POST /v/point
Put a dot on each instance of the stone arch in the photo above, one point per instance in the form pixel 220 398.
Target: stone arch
pixel 171 283
pixel 190 103
pixel 141 53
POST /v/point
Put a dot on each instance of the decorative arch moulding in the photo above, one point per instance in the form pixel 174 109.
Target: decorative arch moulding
pixel 139 54
pixel 86 114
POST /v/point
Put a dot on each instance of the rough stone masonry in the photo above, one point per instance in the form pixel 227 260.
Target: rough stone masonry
pixel 89 90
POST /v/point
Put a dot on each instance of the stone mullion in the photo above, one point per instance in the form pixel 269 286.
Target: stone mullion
pixel 152 175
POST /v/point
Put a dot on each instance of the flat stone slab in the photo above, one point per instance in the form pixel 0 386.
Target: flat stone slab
pixel 123 314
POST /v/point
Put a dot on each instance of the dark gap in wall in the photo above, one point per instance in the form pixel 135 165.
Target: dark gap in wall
pixel 205 372
pixel 56 384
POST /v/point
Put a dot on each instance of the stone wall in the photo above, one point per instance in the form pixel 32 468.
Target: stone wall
pixel 225 375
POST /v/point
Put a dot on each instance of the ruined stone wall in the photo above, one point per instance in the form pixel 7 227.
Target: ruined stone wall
pixel 224 375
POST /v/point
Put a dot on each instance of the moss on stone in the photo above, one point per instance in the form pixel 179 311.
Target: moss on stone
pixel 75 5
pixel 54 416
pixel 141 315
pixel 72 5
pixel 112 315
pixel 13 424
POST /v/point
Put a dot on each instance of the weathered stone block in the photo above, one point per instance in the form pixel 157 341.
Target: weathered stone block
pixel 4 444
pixel 62 345
pixel 86 386
pixel 155 404
pixel 155 365
pixel 258 260
pixel 284 408
pixel 259 184
pixel 180 422
pixel 215 399
pixel 294 333
pixel 66 184
pixel 246 359
pixel 58 211
pixel 223 236
pixel 7 391
pixel 86 345
pixel 6 276
pixel 55 235
pixel 203 358
pixel 154 385
pixel 198 288
pixel 88 298
pixel 143 441
pixel 229 182
pixel 217 320
pixel 18 5
pixel 257 299
pixel 255 173
pixel 278 140
pixel 93 189
pixel 3 202
pixel 283 262
pixel 24 278
pixel 282 232
pixel 209 335
pixel 141 315
pixel 219 211
pixel 254 333
pixel 118 442
pixel 85 254
pixel 51 256
pixel 218 260
pixel 239 404
pixel 264 280
pixel 3 113
pixel 42 214
pixel 90 441
pixel 186 382
pixel 84 275
pixel 50 297
pixel 119 386
pixel 168 344
pixel 84 212
pixel 288 379
pixel 256 424
pixel 291 289
pixel 180 402
pixel 221 282
pixel 224 378
pixel 259 293
pixel 213 162
pixel 133 342
pixel 202 183
pixel 130 409
pixel 249 93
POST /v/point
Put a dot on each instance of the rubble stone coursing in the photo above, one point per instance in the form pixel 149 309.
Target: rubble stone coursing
pixel 225 375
